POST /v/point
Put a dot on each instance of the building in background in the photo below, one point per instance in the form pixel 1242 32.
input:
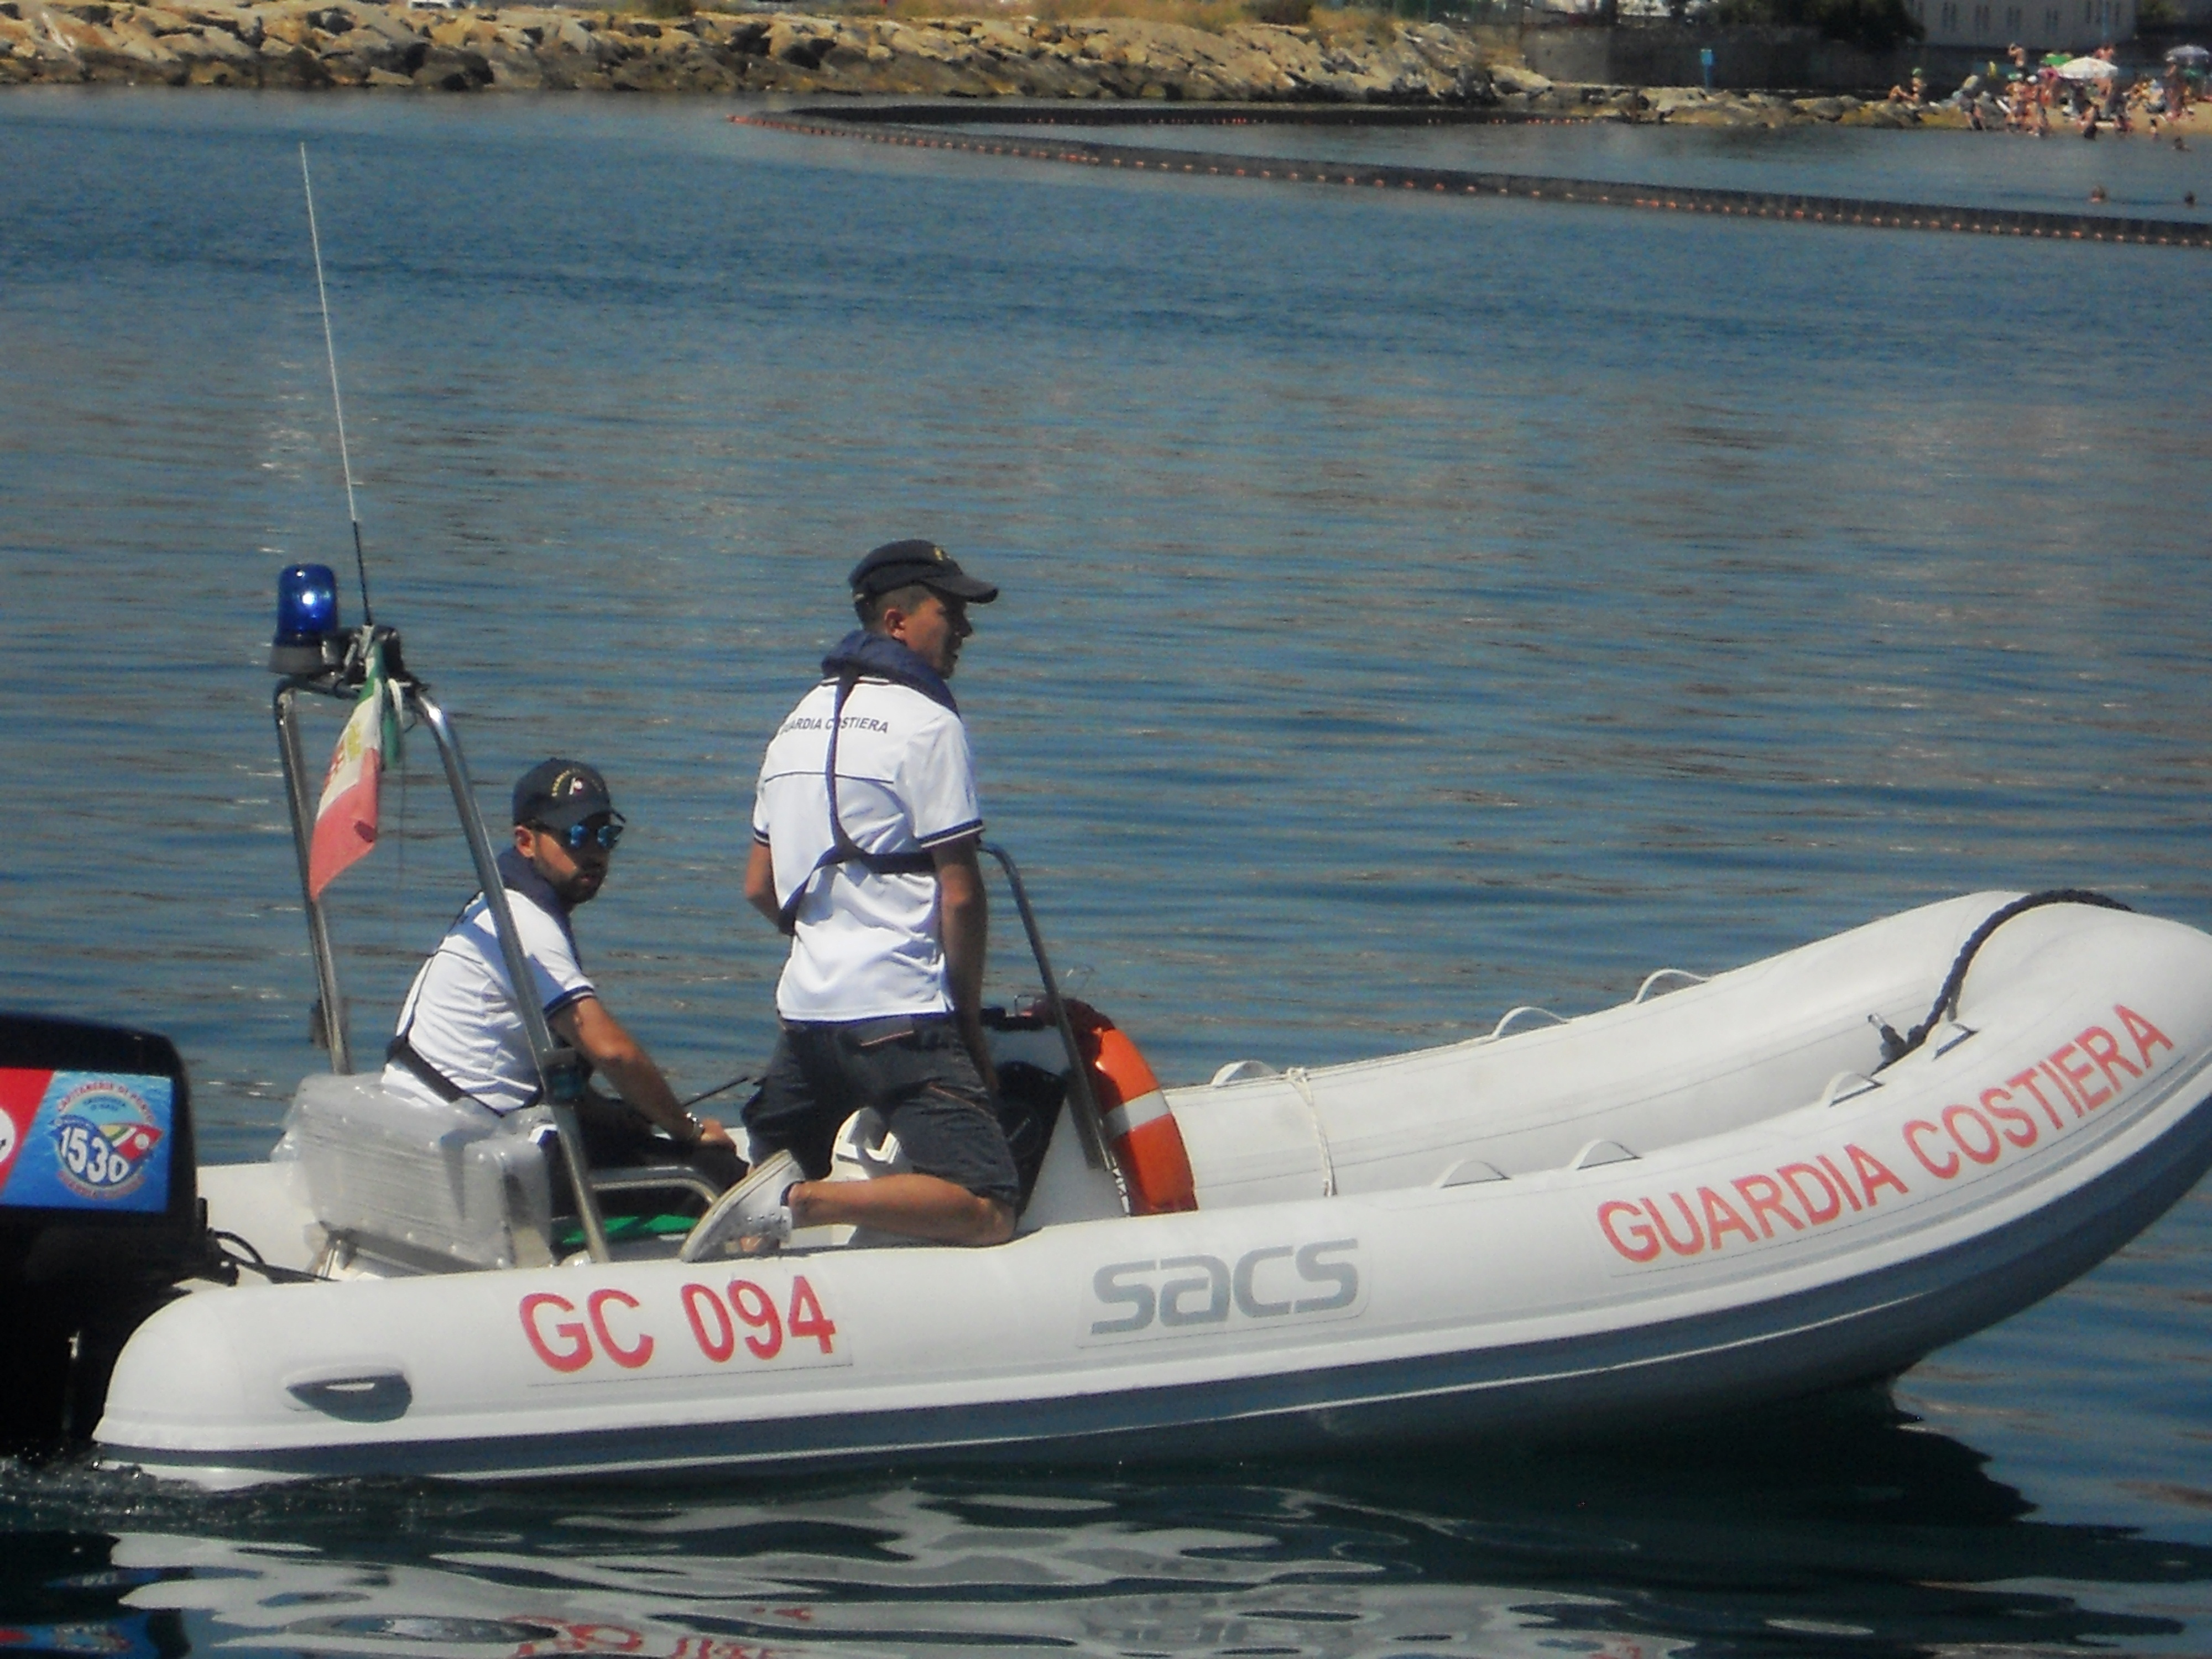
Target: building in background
pixel 2040 25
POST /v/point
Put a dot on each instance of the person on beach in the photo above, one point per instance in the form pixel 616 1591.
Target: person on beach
pixel 866 832
pixel 461 1036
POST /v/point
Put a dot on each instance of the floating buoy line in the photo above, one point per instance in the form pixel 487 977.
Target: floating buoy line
pixel 927 126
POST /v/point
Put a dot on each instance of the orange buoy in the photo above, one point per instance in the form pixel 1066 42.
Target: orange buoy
pixel 1139 1127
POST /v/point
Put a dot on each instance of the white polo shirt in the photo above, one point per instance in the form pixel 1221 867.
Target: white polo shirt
pixel 866 946
pixel 461 1017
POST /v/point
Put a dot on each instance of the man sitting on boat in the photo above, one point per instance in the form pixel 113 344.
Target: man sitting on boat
pixel 865 829
pixel 461 1036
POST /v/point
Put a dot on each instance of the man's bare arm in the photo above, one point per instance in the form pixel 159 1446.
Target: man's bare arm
pixel 616 1056
pixel 760 884
pixel 964 918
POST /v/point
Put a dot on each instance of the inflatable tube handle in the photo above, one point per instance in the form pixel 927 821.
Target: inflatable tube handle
pixel 1512 1014
pixel 1659 975
pixel 1847 1085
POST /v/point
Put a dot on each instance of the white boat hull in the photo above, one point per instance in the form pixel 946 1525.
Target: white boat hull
pixel 1330 1292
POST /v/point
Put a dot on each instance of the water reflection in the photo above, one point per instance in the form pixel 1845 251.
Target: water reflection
pixel 1842 1527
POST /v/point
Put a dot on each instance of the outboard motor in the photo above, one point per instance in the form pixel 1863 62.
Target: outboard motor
pixel 100 1212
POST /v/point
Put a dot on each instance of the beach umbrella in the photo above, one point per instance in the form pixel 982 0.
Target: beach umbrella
pixel 2088 69
pixel 2196 56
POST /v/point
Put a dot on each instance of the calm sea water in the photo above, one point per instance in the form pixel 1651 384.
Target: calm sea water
pixel 1411 608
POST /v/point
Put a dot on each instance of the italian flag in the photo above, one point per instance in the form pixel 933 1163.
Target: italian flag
pixel 345 820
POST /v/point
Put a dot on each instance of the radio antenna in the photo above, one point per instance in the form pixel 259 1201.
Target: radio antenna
pixel 337 404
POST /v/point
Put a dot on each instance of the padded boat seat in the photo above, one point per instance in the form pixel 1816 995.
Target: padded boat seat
pixel 432 1186
pixel 436 1186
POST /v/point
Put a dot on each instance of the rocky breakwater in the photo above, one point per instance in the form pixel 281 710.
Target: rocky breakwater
pixel 1522 92
pixel 300 44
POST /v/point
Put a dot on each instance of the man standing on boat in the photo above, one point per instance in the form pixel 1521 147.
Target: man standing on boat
pixel 461 1036
pixel 866 830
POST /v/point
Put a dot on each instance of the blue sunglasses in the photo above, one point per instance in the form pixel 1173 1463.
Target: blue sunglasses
pixel 577 836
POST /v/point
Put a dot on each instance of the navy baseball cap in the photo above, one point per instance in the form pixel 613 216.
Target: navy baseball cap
pixel 559 793
pixel 901 564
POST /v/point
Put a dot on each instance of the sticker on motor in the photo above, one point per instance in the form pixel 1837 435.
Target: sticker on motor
pixel 81 1141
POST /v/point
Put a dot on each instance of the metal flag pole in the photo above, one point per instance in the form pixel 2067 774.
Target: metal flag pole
pixel 337 403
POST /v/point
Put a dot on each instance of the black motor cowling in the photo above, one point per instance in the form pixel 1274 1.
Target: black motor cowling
pixel 100 1212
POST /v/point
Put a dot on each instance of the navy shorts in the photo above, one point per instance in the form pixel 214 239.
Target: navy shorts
pixel 915 1070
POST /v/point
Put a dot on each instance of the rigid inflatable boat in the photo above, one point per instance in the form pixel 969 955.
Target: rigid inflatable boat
pixel 1723 1191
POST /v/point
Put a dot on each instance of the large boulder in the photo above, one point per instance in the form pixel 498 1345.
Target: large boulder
pixel 215 45
pixel 1508 77
pixel 242 21
pixel 452 68
pixel 372 50
pixel 143 56
pixel 286 65
pixel 803 41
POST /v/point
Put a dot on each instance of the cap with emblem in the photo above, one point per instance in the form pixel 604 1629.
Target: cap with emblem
pixel 557 792
pixel 901 564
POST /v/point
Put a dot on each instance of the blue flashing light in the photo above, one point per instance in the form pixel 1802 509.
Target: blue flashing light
pixel 307 604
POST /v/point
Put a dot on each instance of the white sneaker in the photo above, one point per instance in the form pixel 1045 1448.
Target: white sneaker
pixel 865 1149
pixel 753 1211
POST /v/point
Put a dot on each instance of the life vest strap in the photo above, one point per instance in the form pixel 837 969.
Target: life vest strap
pixel 843 848
pixel 410 1059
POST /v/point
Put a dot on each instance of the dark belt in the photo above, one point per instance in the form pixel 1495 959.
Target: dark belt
pixel 865 1033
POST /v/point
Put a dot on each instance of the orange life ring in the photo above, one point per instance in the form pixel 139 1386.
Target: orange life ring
pixel 1140 1129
